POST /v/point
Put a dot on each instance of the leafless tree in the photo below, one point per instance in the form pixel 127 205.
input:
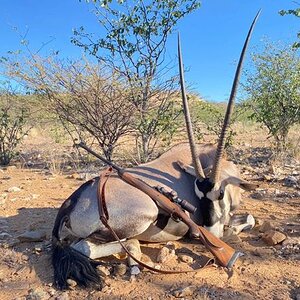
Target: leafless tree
pixel 91 98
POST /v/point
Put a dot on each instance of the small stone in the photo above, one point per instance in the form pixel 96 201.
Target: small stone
pixel 232 239
pixel 9 168
pixel 267 177
pixel 37 294
pixel 63 296
pixel 186 258
pixel 165 254
pixel 273 237
pixel 51 291
pixel 120 269
pixel 184 292
pixel 290 181
pixel 258 195
pixel 291 241
pixel 14 189
pixel 103 271
pixel 162 255
pixel 32 236
pixel 266 226
pixel 135 270
pixel 71 283
pixel 37 249
pixel 76 176
pixel 106 289
pixel 3 196
pixel 263 252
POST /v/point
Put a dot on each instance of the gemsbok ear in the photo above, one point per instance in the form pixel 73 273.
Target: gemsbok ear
pixel 247 186
pixel 191 170
pixel 243 184
pixel 187 168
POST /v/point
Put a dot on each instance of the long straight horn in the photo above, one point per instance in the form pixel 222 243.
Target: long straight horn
pixel 221 143
pixel 196 162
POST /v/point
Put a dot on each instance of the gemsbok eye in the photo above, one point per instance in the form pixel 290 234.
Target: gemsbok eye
pixel 221 196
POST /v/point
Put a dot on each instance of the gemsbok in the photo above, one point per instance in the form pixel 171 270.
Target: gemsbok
pixel 195 172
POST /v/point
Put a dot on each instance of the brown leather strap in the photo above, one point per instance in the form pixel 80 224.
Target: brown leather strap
pixel 104 217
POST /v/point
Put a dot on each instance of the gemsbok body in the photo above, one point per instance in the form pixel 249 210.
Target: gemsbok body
pixel 196 172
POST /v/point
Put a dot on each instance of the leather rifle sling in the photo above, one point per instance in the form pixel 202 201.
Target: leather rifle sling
pixel 104 217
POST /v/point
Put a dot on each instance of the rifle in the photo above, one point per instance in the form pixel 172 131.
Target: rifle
pixel 224 254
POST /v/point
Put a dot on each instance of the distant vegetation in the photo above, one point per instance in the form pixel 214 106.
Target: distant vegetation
pixel 274 91
pixel 14 125
pixel 129 93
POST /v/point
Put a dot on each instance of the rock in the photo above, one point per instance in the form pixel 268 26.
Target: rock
pixel 120 269
pixel 166 253
pixel 63 296
pixel 14 189
pixel 162 255
pixel 273 237
pixel 259 194
pixel 52 291
pixel 290 181
pixel 3 196
pixel 291 241
pixel 291 250
pixel 184 292
pixel 32 236
pixel 232 239
pixel 262 252
pixel 76 176
pixel 37 294
pixel 267 177
pixel 258 222
pixel 186 258
pixel 103 271
pixel 71 283
pixel 279 193
pixel 134 270
pixel 298 297
pixel 9 168
pixel 266 226
pixel 37 249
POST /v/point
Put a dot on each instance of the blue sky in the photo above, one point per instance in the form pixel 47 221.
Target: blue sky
pixel 212 37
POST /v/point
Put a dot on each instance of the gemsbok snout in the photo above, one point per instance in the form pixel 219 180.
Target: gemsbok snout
pixel 197 173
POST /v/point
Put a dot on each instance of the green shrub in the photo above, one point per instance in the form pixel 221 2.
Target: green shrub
pixel 13 119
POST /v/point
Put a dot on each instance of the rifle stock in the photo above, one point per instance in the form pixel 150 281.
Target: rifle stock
pixel 224 254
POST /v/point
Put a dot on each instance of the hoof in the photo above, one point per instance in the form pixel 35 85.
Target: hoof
pixel 135 270
pixel 242 223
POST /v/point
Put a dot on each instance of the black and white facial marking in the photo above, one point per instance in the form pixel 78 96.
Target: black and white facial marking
pixel 212 205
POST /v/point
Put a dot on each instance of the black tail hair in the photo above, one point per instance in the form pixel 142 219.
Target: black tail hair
pixel 71 264
pixel 67 262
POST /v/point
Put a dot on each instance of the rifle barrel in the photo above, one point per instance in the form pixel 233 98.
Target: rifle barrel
pixel 83 145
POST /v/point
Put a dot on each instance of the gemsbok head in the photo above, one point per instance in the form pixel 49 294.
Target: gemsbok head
pixel 218 186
